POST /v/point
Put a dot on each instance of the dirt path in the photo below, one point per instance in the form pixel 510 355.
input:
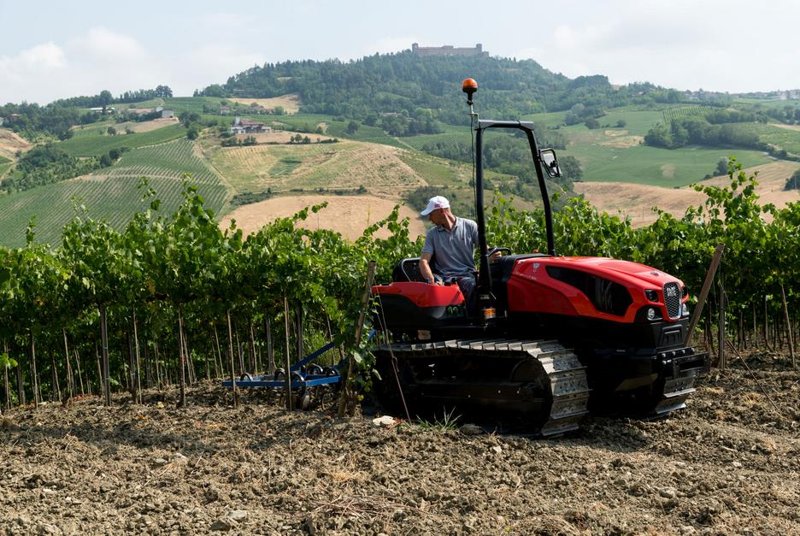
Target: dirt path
pixel 729 464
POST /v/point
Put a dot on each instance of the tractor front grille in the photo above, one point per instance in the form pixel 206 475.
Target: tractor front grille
pixel 672 299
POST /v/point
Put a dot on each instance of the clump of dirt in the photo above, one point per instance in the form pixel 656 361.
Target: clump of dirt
pixel 726 464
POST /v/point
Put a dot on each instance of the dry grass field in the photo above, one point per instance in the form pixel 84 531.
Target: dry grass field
pixel 343 165
pixel 348 215
pixel 10 143
pixel 290 102
pixel 281 136
pixel 147 126
pixel 636 201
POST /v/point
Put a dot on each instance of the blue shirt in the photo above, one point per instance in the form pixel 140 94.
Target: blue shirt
pixel 452 250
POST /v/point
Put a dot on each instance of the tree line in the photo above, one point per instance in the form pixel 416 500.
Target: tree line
pixel 47 164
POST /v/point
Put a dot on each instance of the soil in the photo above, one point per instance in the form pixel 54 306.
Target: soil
pixel 727 464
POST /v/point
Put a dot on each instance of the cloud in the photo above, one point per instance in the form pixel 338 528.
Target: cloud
pixel 682 44
pixel 103 45
pixel 31 71
pixel 40 59
pixel 85 65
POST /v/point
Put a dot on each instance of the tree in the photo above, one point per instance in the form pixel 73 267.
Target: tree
pixel 105 98
pixel 722 167
pixel 570 168
pixel 658 136
pixel 164 92
pixel 352 128
pixel 111 131
pixel 187 118
pixel 793 182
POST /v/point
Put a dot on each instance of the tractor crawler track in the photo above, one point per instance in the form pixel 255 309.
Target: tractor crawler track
pixel 542 380
pixel 674 392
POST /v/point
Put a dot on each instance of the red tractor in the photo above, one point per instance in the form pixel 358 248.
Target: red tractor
pixel 554 337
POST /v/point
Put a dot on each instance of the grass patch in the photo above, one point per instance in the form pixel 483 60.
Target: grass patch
pixel 658 167
pixel 437 171
pixel 285 166
pixel 782 137
pixel 447 423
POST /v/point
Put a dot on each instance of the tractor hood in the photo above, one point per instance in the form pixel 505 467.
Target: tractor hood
pixel 632 273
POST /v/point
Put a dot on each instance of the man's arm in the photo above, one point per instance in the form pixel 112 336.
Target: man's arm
pixel 425 267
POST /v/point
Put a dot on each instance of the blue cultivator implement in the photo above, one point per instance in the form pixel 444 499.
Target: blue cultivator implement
pixel 305 376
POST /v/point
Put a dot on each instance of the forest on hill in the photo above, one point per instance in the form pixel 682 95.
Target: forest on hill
pixel 421 88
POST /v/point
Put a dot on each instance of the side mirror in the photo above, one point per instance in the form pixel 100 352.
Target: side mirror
pixel 550 162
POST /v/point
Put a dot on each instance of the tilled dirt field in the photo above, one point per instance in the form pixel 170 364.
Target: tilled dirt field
pixel 728 464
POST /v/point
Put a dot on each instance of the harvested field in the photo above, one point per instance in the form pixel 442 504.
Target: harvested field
pixel 728 464
pixel 348 215
pixel 10 143
pixel 147 126
pixel 281 136
pixel 636 201
pixel 290 102
pixel 343 165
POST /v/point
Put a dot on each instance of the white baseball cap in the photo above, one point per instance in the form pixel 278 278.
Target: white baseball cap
pixel 435 203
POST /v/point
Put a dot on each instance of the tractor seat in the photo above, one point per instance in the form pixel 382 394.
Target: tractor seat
pixel 407 270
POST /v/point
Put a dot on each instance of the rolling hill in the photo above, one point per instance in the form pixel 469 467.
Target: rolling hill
pixel 385 129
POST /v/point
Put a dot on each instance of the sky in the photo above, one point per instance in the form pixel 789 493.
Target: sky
pixel 57 49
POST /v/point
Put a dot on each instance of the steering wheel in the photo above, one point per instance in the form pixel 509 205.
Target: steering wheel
pixel 492 251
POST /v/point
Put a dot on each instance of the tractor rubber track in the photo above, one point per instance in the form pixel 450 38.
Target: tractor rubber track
pixel 541 379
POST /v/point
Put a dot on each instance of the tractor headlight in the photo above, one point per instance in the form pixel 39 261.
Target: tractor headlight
pixel 653 314
pixel 651 295
pixel 684 309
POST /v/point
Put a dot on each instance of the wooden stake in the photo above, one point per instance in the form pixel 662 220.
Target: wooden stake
pixel 721 329
pixel 35 374
pixel 104 354
pixel 788 325
pixel 181 358
pixel 233 366
pixel 346 394
pixel 138 363
pixel 70 378
pixel 288 378
pixel 701 300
